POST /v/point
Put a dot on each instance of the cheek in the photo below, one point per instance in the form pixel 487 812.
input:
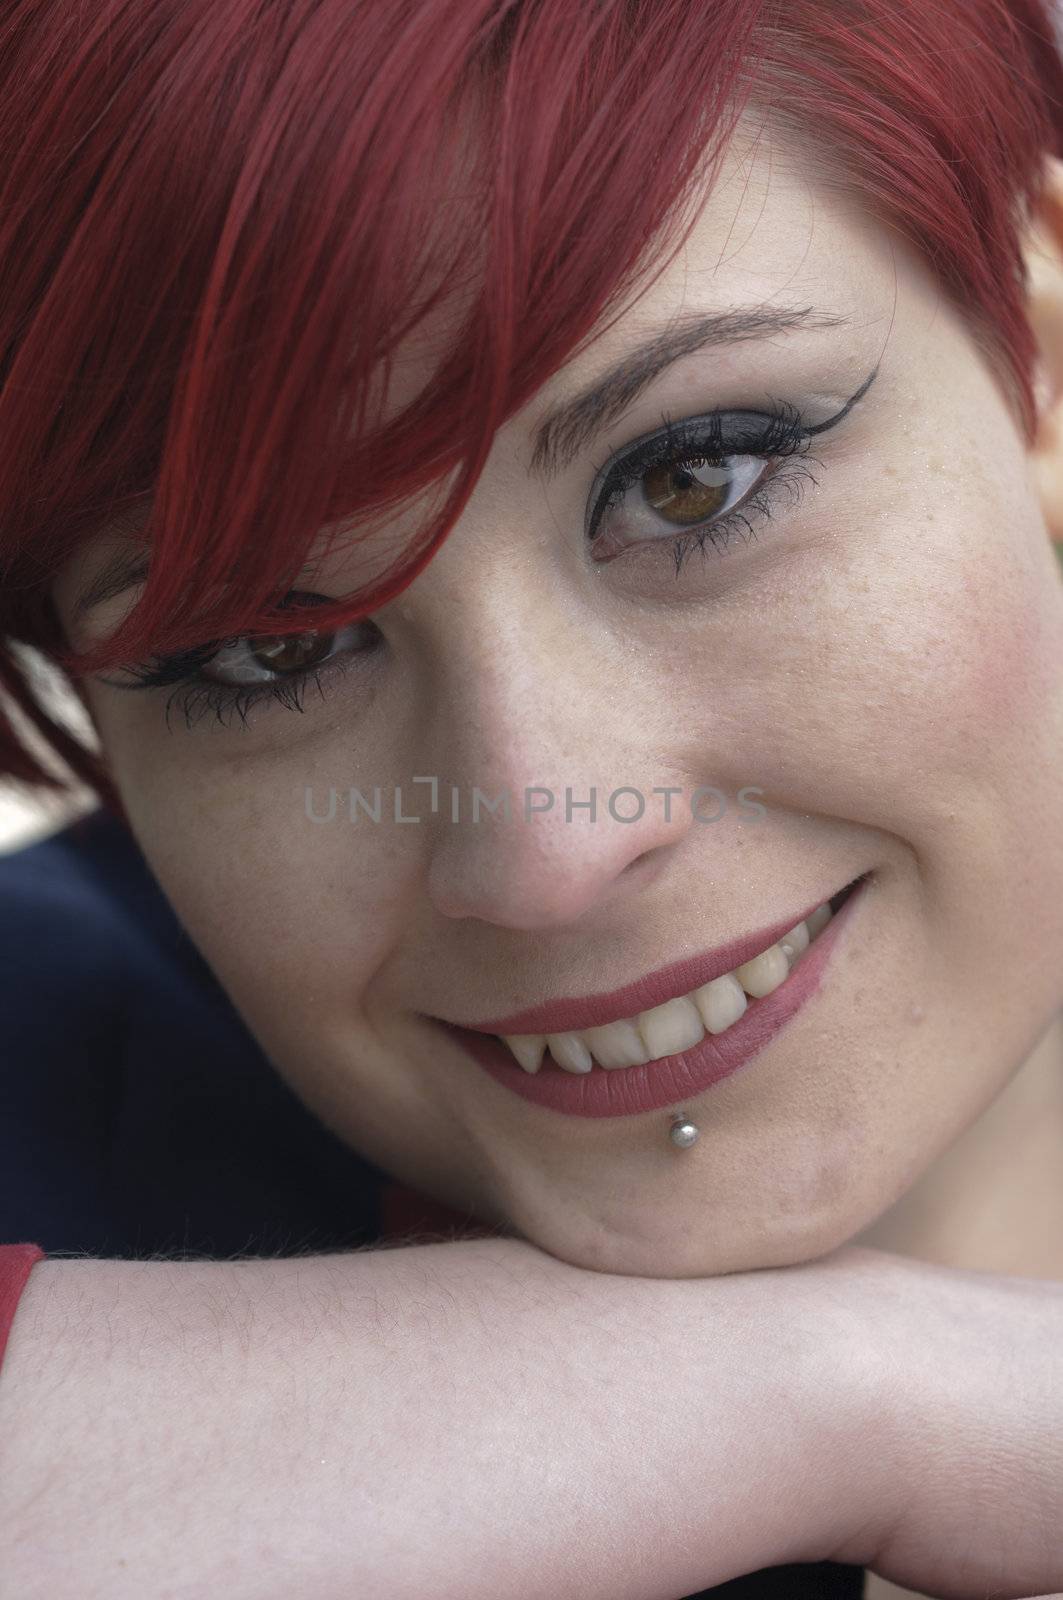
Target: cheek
pixel 972 757
pixel 1010 615
pixel 283 908
pixel 944 667
pixel 994 734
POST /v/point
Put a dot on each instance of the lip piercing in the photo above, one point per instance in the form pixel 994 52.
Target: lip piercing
pixel 682 1133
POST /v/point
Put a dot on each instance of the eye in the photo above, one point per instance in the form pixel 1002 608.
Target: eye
pixel 229 676
pixel 674 496
pixel 265 658
pixel 699 479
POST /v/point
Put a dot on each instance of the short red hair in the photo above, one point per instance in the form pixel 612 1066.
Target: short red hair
pixel 217 224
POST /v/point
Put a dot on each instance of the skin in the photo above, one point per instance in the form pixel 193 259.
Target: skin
pixel 885 661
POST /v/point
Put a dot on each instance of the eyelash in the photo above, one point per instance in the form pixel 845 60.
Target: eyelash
pixel 776 434
pixel 199 696
pixel 196 696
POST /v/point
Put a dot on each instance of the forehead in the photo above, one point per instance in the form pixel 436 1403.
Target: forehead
pixel 772 229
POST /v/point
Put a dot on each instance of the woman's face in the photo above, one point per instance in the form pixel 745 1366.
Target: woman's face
pixel 880 659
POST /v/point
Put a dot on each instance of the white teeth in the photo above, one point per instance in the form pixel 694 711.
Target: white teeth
pixel 617 1044
pixel 764 973
pixel 569 1051
pixel 677 1024
pixel 528 1049
pixel 792 943
pixel 720 1002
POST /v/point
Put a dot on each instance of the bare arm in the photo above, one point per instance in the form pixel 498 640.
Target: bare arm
pixel 478 1421
pixel 473 1420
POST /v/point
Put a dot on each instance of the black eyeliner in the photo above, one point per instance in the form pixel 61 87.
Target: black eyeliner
pixel 821 427
pixel 778 432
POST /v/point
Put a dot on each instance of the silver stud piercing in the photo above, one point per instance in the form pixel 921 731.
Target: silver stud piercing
pixel 682 1132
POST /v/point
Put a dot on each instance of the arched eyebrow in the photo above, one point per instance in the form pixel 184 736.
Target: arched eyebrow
pixel 569 427
pixel 128 566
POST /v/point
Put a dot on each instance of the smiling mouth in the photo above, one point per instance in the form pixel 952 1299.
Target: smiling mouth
pixel 682 1022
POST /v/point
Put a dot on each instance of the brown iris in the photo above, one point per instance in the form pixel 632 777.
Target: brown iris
pixel 292 653
pixel 680 489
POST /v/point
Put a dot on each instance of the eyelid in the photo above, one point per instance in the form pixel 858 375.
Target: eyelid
pixel 764 411
pixel 175 667
pixel 714 433
pixel 775 413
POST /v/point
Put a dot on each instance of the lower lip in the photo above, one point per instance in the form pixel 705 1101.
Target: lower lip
pixel 627 1091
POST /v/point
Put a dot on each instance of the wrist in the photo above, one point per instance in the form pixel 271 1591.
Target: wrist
pixel 857 1405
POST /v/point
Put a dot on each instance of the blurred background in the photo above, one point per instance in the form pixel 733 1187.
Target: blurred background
pixel 27 814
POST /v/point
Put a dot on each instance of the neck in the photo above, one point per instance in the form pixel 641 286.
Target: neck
pixel 993 1202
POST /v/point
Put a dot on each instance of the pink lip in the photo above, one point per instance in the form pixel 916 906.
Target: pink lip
pixel 681 977
pixel 673 1080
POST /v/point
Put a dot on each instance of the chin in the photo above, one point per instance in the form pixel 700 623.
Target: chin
pixel 684 1251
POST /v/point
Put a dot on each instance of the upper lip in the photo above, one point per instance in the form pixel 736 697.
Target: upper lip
pixel 612 1005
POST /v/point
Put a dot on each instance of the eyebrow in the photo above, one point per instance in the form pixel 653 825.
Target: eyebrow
pixel 569 427
pixel 125 569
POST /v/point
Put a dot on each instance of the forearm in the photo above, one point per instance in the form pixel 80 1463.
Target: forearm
pixel 462 1420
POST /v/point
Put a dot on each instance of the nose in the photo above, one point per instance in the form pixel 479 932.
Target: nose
pixel 549 811
pixel 552 859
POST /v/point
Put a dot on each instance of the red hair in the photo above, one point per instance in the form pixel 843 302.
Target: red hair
pixel 218 223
